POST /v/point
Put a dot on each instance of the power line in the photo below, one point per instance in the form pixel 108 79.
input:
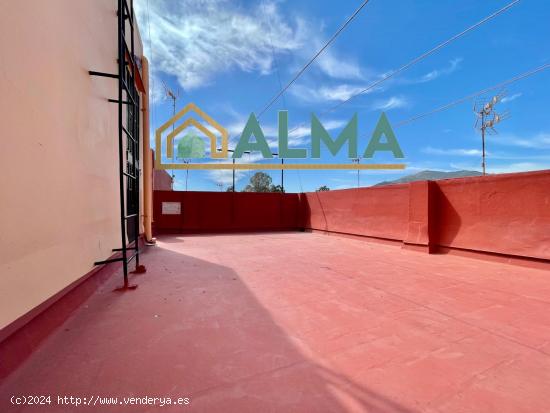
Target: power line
pixel 475 94
pixel 151 65
pixel 303 69
pixel 269 37
pixel 419 58
pixel 428 53
pixel 280 84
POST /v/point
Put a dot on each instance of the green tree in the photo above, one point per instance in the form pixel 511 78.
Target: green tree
pixel 323 188
pixel 277 188
pixel 229 188
pixel 259 182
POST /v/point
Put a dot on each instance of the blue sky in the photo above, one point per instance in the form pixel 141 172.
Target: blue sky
pixel 231 58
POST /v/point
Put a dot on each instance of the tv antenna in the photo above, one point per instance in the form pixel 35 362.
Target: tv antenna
pixel 170 94
pixel 174 96
pixel 486 119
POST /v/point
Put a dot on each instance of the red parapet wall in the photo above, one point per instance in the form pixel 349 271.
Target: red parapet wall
pixel 380 212
pixel 502 214
pixel 227 211
pixel 505 214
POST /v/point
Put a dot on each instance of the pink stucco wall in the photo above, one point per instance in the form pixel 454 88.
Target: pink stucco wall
pixel 59 159
pixel 161 180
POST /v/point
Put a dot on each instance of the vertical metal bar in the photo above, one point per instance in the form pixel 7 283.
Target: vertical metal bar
pixel 282 175
pixel 135 120
pixel 233 175
pixel 186 177
pixel 172 175
pixel 121 60
pixel 483 140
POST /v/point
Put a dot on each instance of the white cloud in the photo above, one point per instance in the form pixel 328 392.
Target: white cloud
pixel 299 132
pixel 236 128
pixel 434 74
pixel 336 67
pixel 511 98
pixel 297 135
pixel 225 176
pixel 452 152
pixel 156 91
pixel 538 141
pixel 509 156
pixel 315 94
pixel 393 102
pixel 505 168
pixel 196 40
pixel 345 91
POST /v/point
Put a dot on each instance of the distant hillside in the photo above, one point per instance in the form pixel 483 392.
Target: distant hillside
pixel 430 175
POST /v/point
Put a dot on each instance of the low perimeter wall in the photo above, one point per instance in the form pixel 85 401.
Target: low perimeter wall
pixel 226 211
pixel 503 214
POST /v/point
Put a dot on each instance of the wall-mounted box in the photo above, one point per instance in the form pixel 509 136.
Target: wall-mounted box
pixel 171 208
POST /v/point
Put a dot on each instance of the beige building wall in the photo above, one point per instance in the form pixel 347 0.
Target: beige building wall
pixel 59 204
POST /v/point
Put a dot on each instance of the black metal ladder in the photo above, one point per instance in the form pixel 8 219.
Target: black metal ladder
pixel 129 170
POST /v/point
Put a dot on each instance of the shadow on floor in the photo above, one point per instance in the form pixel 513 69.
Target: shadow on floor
pixel 193 329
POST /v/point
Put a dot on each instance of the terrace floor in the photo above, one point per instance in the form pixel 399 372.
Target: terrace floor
pixel 297 322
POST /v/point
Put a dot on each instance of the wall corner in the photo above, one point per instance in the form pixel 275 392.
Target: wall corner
pixel 421 217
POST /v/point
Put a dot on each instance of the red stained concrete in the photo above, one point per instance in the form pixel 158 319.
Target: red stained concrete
pixel 295 322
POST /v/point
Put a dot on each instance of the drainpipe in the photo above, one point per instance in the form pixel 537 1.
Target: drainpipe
pixel 147 160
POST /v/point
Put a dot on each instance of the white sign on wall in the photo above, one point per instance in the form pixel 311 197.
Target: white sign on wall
pixel 171 208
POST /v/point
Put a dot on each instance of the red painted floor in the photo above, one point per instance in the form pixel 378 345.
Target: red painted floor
pixel 295 322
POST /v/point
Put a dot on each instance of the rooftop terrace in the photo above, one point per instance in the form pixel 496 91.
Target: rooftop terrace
pixel 304 322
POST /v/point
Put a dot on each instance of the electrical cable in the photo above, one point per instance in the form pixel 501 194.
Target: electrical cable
pixel 419 58
pixel 473 95
pixel 303 69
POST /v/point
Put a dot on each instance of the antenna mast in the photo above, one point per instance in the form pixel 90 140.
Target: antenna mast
pixel 174 96
pixel 486 120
